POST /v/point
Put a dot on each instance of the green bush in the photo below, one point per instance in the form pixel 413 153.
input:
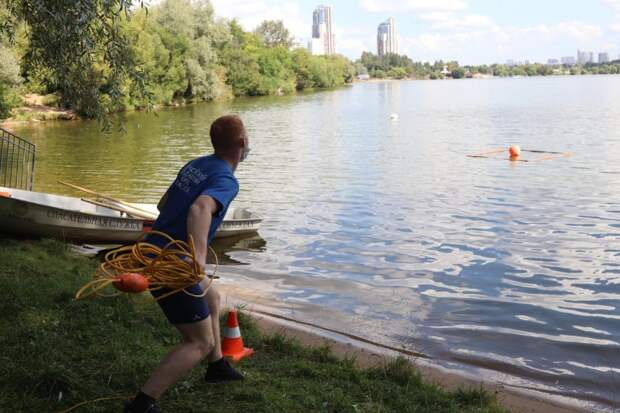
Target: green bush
pixel 9 99
pixel 4 104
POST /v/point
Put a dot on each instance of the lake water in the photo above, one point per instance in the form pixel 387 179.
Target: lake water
pixel 387 230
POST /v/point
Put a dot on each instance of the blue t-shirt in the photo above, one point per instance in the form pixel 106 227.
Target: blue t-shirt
pixel 207 175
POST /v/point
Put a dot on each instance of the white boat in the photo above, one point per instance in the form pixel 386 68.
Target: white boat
pixel 37 214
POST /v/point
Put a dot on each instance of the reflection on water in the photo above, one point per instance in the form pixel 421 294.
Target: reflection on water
pixel 224 247
pixel 387 229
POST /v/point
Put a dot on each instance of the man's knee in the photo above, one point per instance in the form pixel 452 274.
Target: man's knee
pixel 204 345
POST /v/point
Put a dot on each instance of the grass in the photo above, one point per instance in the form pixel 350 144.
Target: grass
pixel 57 352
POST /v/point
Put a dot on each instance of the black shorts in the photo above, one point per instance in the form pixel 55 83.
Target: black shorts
pixel 181 308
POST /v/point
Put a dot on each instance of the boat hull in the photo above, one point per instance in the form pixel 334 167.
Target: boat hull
pixel 31 214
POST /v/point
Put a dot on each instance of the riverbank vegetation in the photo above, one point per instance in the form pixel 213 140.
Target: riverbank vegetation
pixel 122 56
pixel 58 352
pixel 395 66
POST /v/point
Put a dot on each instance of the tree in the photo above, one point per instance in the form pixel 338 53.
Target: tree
pixel 458 73
pixel 273 33
pixel 243 74
pixel 9 67
pixel 360 69
pixel 80 48
pixel 302 67
pixel 5 105
pixel 275 69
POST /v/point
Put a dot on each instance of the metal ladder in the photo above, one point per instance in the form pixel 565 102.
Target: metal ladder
pixel 17 158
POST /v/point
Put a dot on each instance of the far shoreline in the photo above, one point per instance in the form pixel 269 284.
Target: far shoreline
pixel 43 114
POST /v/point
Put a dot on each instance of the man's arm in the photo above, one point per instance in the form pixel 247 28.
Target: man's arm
pixel 199 223
pixel 162 201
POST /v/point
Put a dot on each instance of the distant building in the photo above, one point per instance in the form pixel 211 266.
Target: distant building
pixel 298 43
pixel 323 30
pixel 553 62
pixel 569 60
pixel 585 57
pixel 510 63
pixel 603 57
pixel 386 38
pixel 316 47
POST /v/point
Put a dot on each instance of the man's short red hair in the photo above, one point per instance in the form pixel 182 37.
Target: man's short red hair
pixel 226 133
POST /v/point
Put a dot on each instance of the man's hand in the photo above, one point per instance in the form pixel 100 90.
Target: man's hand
pixel 201 265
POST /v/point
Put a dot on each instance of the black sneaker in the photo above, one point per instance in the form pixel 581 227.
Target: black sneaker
pixel 221 371
pixel 149 409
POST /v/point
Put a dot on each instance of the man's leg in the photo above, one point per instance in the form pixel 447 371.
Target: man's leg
pixel 198 342
pixel 213 302
pixel 219 369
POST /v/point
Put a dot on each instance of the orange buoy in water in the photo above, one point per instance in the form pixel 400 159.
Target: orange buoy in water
pixel 514 151
pixel 131 283
pixel 5 194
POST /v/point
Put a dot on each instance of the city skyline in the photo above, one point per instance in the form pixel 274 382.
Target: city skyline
pixel 470 31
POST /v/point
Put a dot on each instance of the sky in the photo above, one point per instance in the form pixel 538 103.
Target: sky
pixel 470 31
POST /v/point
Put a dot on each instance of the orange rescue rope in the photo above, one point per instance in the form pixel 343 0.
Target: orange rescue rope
pixel 144 266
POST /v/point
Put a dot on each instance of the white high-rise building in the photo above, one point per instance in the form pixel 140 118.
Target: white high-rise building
pixel 298 43
pixel 585 57
pixel 316 47
pixel 387 42
pixel 569 60
pixel 323 30
pixel 603 57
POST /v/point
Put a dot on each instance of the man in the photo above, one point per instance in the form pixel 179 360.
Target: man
pixel 195 204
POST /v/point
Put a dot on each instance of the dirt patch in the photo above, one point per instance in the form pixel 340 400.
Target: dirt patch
pixel 39 108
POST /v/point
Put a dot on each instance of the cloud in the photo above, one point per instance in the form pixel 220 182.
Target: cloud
pixel 250 13
pixel 352 41
pixel 380 6
pixel 476 44
pixel 453 21
pixel 614 4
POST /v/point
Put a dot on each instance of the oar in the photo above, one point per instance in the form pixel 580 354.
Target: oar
pixel 121 208
pixel 107 197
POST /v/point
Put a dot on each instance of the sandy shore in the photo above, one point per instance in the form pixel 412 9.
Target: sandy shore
pixel 367 354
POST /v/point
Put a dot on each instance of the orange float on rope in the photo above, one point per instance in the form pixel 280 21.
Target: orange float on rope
pixel 5 194
pixel 514 151
pixel 131 283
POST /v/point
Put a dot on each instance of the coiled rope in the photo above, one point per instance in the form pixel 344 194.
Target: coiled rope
pixel 144 266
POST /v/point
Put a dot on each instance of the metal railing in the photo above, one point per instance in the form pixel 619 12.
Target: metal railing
pixel 17 157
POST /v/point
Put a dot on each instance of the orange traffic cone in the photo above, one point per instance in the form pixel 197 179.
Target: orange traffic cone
pixel 232 344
